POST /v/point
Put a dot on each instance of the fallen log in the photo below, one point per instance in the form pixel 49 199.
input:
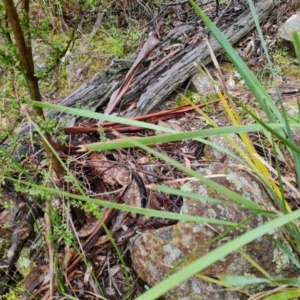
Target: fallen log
pixel 154 88
pixel 151 88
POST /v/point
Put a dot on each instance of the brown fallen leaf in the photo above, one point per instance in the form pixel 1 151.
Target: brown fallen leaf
pixel 35 278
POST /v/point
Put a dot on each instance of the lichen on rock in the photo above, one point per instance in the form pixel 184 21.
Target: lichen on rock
pixel 160 252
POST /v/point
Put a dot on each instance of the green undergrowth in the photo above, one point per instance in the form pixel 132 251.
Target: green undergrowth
pixel 40 185
pixel 286 64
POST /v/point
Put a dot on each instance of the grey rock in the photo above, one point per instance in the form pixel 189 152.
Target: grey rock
pixel 292 108
pixel 211 154
pixel 202 85
pixel 160 252
pixel 290 25
pixel 284 35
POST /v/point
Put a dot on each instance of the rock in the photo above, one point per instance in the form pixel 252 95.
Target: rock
pixel 285 31
pixel 292 108
pixel 157 253
pixel 213 155
pixel 202 85
pixel 41 55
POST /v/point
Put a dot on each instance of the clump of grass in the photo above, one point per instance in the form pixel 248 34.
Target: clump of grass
pixel 274 129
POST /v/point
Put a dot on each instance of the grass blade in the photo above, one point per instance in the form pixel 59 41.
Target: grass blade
pixel 252 82
pixel 296 45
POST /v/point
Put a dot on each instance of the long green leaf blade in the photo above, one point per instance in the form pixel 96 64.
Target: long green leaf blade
pixel 252 82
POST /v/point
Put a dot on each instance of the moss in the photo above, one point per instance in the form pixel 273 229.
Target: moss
pixel 24 265
pixel 4 244
pixel 291 71
pixel 284 63
pixel 229 67
pixel 281 59
pixel 116 42
pixel 96 65
pixel 14 293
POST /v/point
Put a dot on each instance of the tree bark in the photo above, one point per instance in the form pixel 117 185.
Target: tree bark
pixel 27 67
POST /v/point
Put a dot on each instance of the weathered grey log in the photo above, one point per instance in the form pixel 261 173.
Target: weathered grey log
pixel 94 93
pixel 152 89
pixel 97 91
pixel 163 80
